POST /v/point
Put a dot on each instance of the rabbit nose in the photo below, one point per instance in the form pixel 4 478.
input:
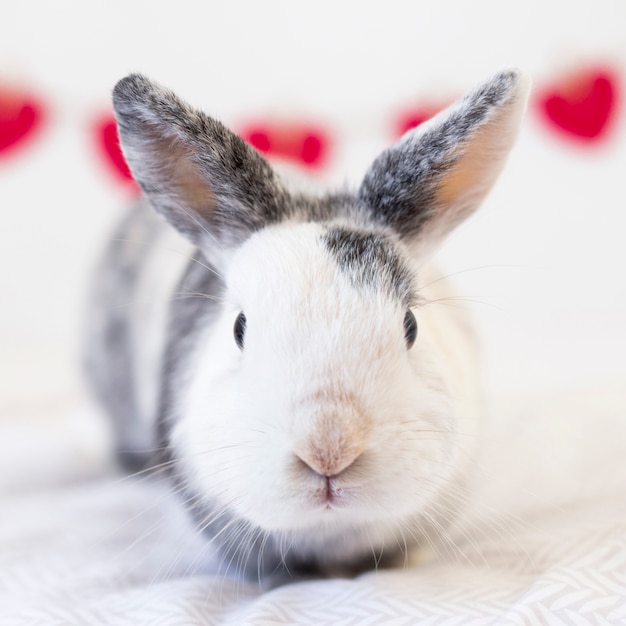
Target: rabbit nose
pixel 328 462
pixel 331 432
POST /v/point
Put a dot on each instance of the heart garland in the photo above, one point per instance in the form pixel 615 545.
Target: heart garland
pixel 412 118
pixel 108 143
pixel 581 106
pixel 293 141
pixel 21 117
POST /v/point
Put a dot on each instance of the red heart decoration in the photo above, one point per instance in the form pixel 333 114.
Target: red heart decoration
pixel 109 143
pixel 411 118
pixel 304 144
pixel 20 117
pixel 582 105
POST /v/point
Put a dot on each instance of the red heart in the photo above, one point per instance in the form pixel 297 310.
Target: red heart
pixel 411 118
pixel 20 117
pixel 304 144
pixel 583 105
pixel 109 143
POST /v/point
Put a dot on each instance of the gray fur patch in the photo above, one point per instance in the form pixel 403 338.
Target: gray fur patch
pixel 371 261
pixel 197 173
pixel 401 186
pixel 108 357
pixel 191 311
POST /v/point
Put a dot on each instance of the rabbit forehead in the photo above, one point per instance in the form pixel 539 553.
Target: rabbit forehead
pixel 292 261
pixel 371 260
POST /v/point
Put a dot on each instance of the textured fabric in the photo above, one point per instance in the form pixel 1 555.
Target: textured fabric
pixel 543 540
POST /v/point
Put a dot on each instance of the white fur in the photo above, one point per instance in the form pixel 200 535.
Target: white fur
pixel 314 347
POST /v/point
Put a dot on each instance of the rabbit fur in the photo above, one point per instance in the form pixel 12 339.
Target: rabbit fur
pixel 260 341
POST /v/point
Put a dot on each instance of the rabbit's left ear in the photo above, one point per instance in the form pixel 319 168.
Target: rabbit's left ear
pixel 437 174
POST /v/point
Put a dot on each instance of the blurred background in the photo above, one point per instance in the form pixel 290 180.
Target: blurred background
pixel 328 85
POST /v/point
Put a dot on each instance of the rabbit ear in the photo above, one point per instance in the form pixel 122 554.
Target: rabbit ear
pixel 438 174
pixel 207 182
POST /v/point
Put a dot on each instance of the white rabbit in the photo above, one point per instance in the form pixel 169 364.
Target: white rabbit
pixel 278 366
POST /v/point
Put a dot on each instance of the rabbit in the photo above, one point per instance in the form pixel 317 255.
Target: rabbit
pixel 284 365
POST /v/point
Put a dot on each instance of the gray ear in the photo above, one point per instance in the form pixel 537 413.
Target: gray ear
pixel 207 182
pixel 439 173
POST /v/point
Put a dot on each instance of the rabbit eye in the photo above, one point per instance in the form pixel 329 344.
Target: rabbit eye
pixel 240 330
pixel 410 328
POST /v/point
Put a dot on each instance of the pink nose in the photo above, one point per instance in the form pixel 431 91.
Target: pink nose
pixel 331 432
pixel 328 462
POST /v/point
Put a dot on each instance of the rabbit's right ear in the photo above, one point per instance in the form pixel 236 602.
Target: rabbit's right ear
pixel 206 181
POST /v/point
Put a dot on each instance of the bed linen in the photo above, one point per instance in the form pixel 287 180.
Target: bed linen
pixel 542 539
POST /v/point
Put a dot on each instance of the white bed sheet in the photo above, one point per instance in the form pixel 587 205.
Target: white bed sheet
pixel 543 540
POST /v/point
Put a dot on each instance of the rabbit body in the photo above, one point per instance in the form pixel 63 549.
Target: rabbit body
pixel 288 355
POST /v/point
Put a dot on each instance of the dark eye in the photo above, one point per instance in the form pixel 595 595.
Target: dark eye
pixel 410 328
pixel 240 330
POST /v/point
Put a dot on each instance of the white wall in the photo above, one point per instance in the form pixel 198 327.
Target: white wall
pixel 549 294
